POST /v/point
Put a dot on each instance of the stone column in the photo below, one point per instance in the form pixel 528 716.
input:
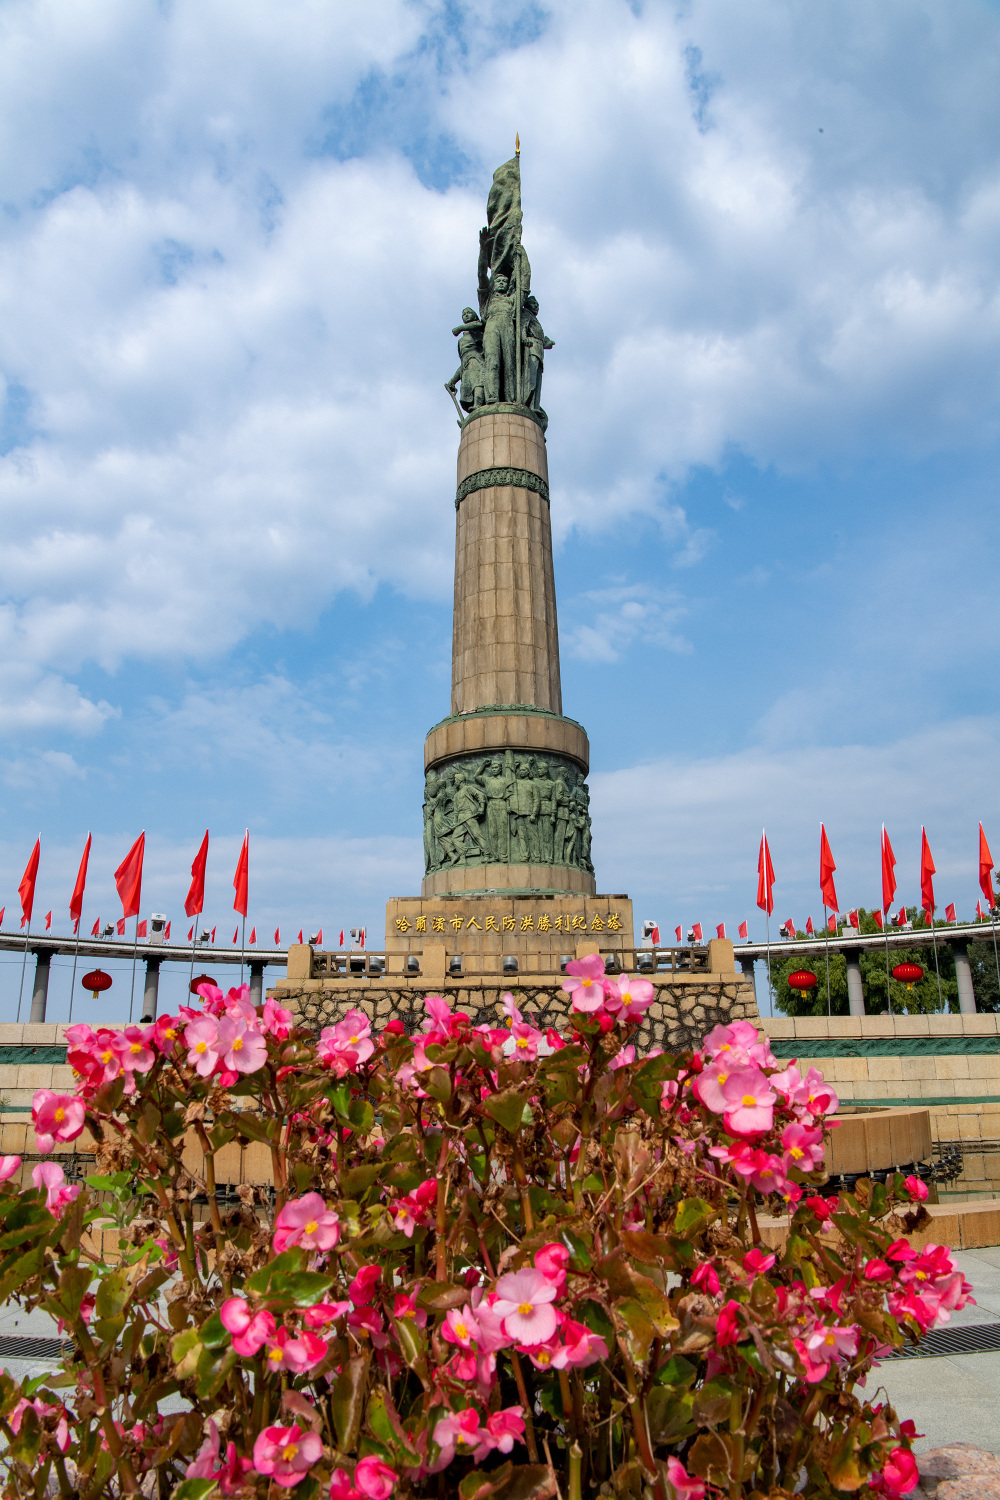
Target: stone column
pixel 855 989
pixel 39 994
pixel 505 645
pixel 256 982
pixel 963 973
pixel 151 991
pixel 747 965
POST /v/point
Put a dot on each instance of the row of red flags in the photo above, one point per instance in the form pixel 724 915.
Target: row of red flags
pixel 828 890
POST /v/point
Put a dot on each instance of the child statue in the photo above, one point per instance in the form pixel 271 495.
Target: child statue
pixel 472 370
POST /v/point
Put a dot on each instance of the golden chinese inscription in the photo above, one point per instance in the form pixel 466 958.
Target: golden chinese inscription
pixel 528 923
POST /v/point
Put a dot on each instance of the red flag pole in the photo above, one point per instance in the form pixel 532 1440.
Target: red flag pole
pixel 24 965
pixel 31 907
pixel 826 929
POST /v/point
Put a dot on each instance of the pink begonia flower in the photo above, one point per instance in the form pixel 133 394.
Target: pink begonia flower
pixel 242 1049
pixel 249 1331
pixel 201 1038
pixel 749 1102
pixel 683 1484
pixel 727 1326
pixel 581 1344
pixel 286 1453
pixel 362 1288
pixel 757 1262
pixel 44 1410
pixel 900 1474
pixel 276 1020
pixel 50 1176
pixel 374 1478
pixel 917 1190
pixel 706 1276
pixel 803 1147
pixel 552 1260
pixel 460 1328
pixel 56 1117
pixel 406 1307
pixel 306 1222
pixel 506 1428
pixel 764 1171
pixel 166 1033
pixel 324 1313
pixel 298 1355
pixel 878 1270
pixel 230 1474
pixel 522 1303
pixel 341 1487
pixel 622 1059
pixel 815 1365
pixel 827 1341
pixel 343 1046
pixel 708 1085
pixel 136 1051
pixel 460 1432
pixel 738 1037
pixel 628 996
pixel 585 982
pixel 412 1210
pixel 8 1166
pixel 934 1287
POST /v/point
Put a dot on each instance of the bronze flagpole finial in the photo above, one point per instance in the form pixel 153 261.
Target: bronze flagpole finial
pixel 517 143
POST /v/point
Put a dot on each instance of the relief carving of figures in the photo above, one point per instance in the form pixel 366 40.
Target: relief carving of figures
pixel 498 810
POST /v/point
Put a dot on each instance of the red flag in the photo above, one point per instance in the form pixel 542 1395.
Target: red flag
pixel 2 910
pixel 888 871
pixel 319 938
pixel 236 937
pixel 744 931
pixel 655 937
pixel 832 922
pixel 949 912
pixel 213 934
pixel 253 934
pixel 985 867
pixel 141 930
pixel 364 934
pixel 128 878
pixel 877 917
pixel 96 928
pixel 927 873
pixel 191 933
pixel 809 926
pixel 166 933
pixel 721 930
pixel 854 920
pixel 76 900
pixel 341 943
pixel 677 932
pixel 765 877
pixel 826 869
pixel 121 926
pixel 300 934
pixel 980 914
pixel 900 918
pixel 696 929
pixel 790 924
pixel 277 937
pixel 194 903
pixel 48 921
pixel 241 879
pixel 26 890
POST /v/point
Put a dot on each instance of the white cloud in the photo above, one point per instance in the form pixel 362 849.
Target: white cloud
pixel 619 615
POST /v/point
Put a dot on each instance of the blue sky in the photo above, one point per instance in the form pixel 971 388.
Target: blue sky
pixel 233 241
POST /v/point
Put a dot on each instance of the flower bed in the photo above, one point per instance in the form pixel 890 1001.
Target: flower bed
pixel 496 1261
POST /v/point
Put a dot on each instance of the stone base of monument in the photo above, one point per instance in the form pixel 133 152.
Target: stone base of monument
pixel 696 988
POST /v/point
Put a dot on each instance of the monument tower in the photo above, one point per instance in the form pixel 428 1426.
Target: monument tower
pixel 506 804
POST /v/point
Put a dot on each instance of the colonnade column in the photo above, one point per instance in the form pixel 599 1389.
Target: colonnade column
pixel 256 983
pixel 40 993
pixel 151 991
pixel 963 973
pixel 855 989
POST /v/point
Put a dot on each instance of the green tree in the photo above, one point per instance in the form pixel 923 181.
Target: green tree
pixel 983 963
pixel 921 999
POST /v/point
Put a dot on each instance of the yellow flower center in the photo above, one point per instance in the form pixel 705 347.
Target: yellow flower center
pixel 201 1046
pixel 353 1040
pixel 543 1356
pixel 312 1227
pixel 586 984
pixel 107 1056
pixel 135 1047
pixel 722 1078
pixel 60 1115
pixel 289 1452
pixel 237 1043
pixel 461 1330
pixel 526 1309
pixel 829 1340
pixel 627 998
pixel 522 1042
pixel 749 1101
pixel 796 1152
pixel 275 1354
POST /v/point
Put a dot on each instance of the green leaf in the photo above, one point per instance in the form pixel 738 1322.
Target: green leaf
pixel 282 1265
pixel 441 1296
pixel 185 1350
pixel 253 1126
pixel 712 1402
pixel 212 1371
pixel 412 1341
pixel 357 1180
pixel 438 1084
pixel 112 1294
pixel 192 1489
pixel 221 1136
pixel 361 1116
pixel 348 1401
pixel 112 1184
pixel 304 1288
pixel 148 1123
pixel 506 1108
pixel 212 1332
pixel 639 1330
pixel 676 1371
pixel 692 1214
pixel 598 1321
pixel 14 1273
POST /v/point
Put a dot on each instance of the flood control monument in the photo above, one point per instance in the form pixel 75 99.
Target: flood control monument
pixel 509 893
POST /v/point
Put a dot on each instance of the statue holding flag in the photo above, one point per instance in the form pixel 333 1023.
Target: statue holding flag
pixel 508 363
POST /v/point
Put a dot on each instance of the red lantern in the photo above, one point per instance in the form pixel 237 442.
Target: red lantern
pixel 200 979
pixel 96 981
pixel 802 980
pixel 908 974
